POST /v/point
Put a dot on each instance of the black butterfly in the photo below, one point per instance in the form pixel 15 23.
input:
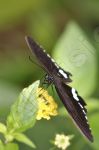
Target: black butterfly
pixel 74 104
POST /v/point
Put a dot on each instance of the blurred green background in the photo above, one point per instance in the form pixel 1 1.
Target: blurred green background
pixel 69 30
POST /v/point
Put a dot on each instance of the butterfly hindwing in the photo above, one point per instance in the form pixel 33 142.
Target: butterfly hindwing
pixel 75 106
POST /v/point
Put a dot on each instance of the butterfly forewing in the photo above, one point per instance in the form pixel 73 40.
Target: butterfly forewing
pixel 49 65
pixel 44 59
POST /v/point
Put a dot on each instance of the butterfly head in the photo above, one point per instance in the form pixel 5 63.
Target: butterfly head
pixel 48 79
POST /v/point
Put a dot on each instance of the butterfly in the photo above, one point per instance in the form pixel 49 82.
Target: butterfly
pixel 60 78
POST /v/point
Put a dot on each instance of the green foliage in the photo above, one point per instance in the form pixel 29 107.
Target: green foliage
pixel 9 146
pixel 23 111
pixel 22 117
pixel 94 116
pixel 11 11
pixel 78 56
pixel 24 139
pixel 39 25
pixel 3 128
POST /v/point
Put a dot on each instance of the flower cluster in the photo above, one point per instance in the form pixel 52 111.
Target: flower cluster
pixel 46 105
pixel 62 141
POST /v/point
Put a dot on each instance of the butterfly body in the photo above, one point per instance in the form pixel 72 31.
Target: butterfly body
pixel 74 104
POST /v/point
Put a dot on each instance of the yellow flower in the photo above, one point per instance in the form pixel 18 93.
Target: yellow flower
pixel 46 105
pixel 62 141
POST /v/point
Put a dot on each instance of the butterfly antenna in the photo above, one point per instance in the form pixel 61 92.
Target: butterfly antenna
pixel 34 62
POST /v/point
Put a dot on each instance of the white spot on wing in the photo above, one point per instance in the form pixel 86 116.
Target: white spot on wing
pixel 90 129
pixel 80 105
pixel 84 112
pixel 86 117
pixel 63 73
pixel 75 94
pixel 44 51
pixel 53 60
pixel 48 55
pixel 56 65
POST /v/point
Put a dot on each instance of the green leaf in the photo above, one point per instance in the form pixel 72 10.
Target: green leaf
pixel 11 146
pixel 95 129
pixel 76 54
pixel 24 110
pixel 3 128
pixel 93 111
pixel 24 139
pixel 93 104
pixel 1 145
